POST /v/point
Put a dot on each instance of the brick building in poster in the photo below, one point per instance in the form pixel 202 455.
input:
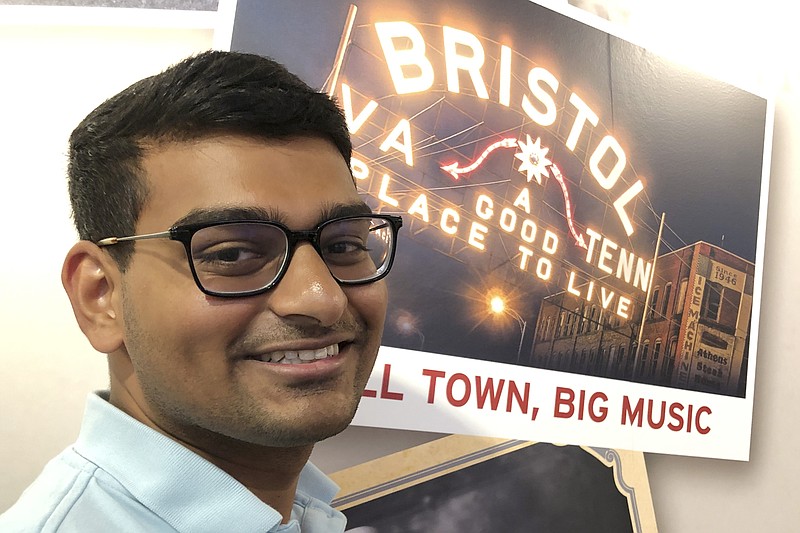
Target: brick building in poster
pixel 695 335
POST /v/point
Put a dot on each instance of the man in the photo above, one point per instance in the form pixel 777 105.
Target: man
pixel 231 272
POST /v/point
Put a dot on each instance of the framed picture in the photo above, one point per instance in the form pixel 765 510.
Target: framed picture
pixel 472 484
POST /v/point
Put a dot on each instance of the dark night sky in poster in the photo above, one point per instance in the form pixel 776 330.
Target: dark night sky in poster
pixel 696 143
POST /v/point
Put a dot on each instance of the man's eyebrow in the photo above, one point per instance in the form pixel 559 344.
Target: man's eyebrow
pixel 227 214
pixel 331 211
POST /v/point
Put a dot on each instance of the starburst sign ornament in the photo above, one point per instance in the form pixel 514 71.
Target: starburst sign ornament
pixel 534 163
pixel 533 157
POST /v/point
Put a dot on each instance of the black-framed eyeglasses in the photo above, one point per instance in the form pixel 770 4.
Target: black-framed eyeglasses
pixel 247 257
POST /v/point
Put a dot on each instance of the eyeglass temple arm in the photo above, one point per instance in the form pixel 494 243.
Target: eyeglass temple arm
pixel 108 241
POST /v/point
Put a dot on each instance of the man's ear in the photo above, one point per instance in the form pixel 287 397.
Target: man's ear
pixel 91 278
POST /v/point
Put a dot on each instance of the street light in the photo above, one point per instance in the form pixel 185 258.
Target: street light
pixel 498 306
pixel 407 325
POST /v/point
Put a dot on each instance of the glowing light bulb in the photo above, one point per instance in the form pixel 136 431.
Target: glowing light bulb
pixel 497 305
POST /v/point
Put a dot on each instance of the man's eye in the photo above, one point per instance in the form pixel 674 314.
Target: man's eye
pixel 345 247
pixel 228 255
pixel 346 252
pixel 234 259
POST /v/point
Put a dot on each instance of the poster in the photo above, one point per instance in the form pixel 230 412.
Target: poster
pixel 473 484
pixel 583 241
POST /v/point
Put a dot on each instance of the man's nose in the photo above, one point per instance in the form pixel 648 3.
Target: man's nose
pixel 308 289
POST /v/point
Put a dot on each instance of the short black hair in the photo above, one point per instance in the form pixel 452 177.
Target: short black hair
pixel 214 93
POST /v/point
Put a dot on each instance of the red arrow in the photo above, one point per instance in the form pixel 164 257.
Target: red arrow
pixel 568 207
pixel 454 170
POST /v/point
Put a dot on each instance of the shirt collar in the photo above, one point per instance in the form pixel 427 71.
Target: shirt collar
pixel 184 489
pixel 316 484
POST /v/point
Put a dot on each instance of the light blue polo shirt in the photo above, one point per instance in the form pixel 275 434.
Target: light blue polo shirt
pixel 122 476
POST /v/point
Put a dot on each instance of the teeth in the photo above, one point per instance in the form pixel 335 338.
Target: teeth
pixel 296 357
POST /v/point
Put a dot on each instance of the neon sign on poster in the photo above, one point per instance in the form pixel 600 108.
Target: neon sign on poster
pixel 493 139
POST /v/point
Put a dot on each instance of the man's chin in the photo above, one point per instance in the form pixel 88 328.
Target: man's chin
pixel 304 429
pixel 309 435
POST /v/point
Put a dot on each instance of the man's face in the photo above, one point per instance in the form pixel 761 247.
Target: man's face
pixel 196 368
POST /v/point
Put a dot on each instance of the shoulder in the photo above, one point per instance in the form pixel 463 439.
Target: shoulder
pixel 74 494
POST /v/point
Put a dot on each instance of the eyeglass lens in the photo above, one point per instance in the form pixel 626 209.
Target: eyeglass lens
pixel 242 256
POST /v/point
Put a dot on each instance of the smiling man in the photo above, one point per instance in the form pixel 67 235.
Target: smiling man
pixel 233 275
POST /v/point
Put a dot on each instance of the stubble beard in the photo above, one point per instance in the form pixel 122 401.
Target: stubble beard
pixel 236 418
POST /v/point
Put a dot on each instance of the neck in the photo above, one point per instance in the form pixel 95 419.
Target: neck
pixel 269 473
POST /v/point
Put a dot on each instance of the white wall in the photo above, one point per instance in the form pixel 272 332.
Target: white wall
pixel 52 77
